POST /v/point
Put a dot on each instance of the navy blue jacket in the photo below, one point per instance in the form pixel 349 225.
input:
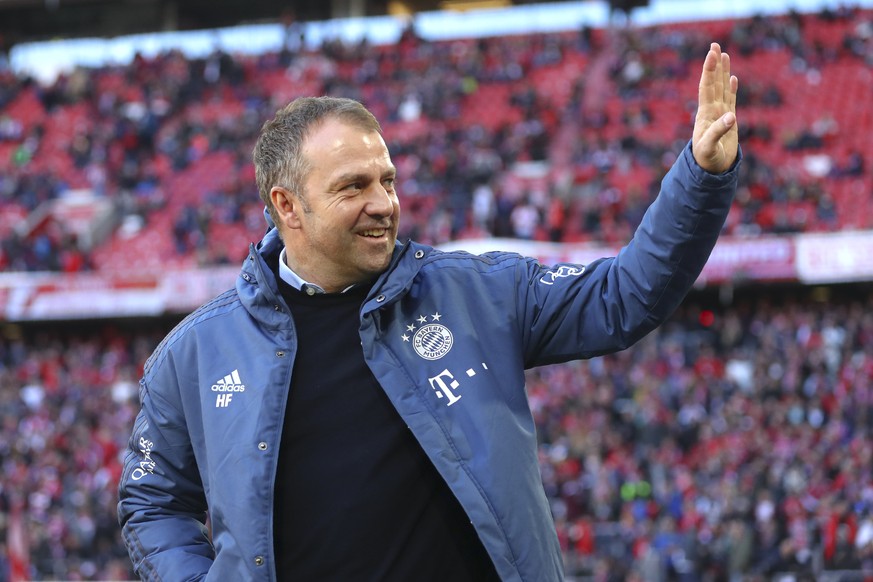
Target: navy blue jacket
pixel 448 335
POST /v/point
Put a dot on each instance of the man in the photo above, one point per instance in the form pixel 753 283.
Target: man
pixel 355 408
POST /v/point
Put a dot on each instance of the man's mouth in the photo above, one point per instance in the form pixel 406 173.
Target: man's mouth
pixel 374 232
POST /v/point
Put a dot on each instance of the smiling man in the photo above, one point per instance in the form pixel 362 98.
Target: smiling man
pixel 354 409
pixel 339 216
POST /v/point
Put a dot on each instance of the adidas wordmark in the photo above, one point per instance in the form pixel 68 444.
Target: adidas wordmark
pixel 230 383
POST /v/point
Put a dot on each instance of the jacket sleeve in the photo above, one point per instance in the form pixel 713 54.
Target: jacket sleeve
pixel 574 311
pixel 162 507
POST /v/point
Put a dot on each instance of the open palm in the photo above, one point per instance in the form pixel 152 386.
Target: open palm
pixel 715 138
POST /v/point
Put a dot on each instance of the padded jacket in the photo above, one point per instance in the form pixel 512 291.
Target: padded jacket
pixel 448 335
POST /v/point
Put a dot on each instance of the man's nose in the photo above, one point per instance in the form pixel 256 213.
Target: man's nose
pixel 380 202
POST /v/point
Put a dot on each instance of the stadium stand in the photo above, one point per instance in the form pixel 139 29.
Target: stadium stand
pixel 732 444
pixel 598 109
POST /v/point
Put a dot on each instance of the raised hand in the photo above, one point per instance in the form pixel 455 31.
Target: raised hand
pixel 714 142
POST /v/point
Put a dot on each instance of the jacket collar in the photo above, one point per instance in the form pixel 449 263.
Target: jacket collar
pixel 259 293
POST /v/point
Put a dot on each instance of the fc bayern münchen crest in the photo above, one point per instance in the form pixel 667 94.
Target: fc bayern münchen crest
pixel 432 341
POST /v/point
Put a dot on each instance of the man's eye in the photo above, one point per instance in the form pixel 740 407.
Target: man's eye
pixel 390 182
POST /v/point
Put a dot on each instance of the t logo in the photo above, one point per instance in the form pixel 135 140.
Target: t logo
pixel 223 400
pixel 438 383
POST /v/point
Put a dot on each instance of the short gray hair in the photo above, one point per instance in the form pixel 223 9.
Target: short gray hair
pixel 278 154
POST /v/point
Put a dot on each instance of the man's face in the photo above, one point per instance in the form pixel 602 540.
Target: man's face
pixel 346 227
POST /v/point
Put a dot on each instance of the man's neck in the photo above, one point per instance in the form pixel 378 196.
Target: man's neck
pixel 292 278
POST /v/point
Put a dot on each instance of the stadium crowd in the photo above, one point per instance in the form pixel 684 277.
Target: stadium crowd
pixel 602 110
pixel 66 400
pixel 732 444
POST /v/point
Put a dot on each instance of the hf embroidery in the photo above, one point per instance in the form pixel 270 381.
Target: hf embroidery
pixel 430 339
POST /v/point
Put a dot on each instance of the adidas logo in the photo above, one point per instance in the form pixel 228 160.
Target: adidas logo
pixel 226 387
pixel 230 383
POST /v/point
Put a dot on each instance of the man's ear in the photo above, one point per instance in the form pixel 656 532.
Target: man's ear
pixel 287 206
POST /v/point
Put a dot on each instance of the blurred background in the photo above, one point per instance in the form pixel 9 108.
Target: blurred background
pixel 732 444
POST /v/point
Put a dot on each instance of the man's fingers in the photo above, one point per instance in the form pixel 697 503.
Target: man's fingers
pixel 710 72
pixel 716 85
pixel 726 76
pixel 719 78
pixel 715 132
pixel 734 85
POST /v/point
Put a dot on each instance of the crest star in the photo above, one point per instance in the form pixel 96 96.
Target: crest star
pixel 436 316
pixel 422 319
pixel 410 327
pixel 405 337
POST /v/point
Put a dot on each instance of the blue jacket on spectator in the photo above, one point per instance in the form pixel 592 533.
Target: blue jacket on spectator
pixel 447 334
